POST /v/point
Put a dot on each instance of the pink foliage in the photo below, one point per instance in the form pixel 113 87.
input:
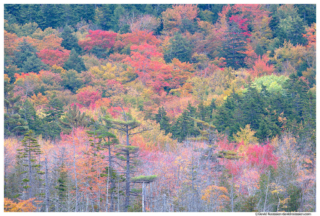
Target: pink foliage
pixel 261 156
pixel 116 111
pixel 49 77
pixel 242 24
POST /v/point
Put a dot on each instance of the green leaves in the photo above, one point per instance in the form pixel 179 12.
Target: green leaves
pixel 179 48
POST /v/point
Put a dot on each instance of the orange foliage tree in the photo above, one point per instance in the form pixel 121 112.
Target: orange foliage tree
pixel 20 206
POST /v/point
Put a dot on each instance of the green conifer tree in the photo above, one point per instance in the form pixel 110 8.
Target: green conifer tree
pixel 30 149
pixel 179 48
pixel 126 152
pixel 13 123
pixel 69 41
pixel 74 62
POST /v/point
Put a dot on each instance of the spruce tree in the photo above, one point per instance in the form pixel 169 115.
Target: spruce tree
pixel 163 120
pixel 106 21
pixel 62 187
pixel 29 114
pixel 13 123
pixel 233 46
pixel 30 150
pixel 71 80
pixel 33 64
pixel 50 123
pixel 185 126
pixel 179 48
pixel 23 51
pixel 74 62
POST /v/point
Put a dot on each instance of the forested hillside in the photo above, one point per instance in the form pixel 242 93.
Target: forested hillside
pixel 180 108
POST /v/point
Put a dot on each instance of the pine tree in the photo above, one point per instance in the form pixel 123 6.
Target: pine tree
pixel 224 117
pixel 84 12
pixel 100 130
pixel 74 62
pixel 127 152
pixel 52 15
pixel 69 41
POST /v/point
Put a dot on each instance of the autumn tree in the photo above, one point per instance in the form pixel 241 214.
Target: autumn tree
pixel 20 206
pixel 72 120
pixel 175 17
pixel 53 57
pixel 98 41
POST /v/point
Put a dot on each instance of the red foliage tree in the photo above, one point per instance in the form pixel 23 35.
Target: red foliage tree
pixel 261 67
pixel 88 97
pixel 104 39
pixel 54 57
pixel 137 38
pixel 242 24
pixel 261 156
pixel 150 71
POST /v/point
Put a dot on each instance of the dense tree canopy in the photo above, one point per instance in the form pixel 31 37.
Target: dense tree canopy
pixel 150 107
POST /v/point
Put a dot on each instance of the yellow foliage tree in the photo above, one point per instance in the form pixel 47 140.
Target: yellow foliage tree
pixel 215 195
pixel 21 206
pixel 245 135
pixel 39 99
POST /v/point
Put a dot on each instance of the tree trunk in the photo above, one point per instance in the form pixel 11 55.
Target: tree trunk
pixel 5 172
pixel 143 197
pixel 127 200
pixel 232 194
pixel 118 195
pixel 107 203
pixel 74 169
pixel 47 186
pixel 30 174
pixel 265 201
pixel 113 184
